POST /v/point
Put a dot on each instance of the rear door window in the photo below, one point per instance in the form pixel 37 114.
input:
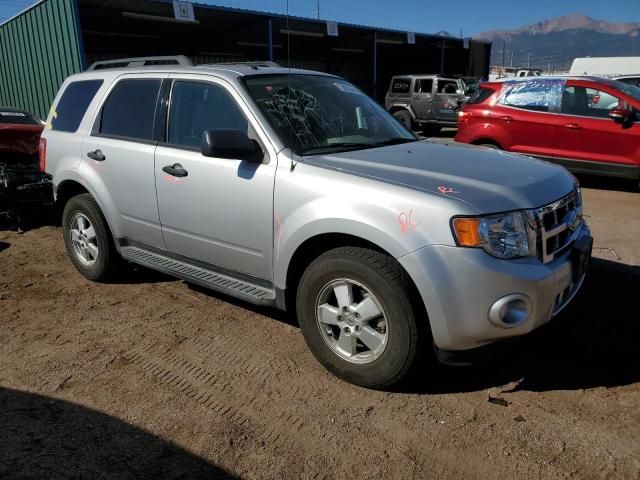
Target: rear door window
pixel 72 106
pixel 401 85
pixel 198 106
pixel 424 85
pixel 130 110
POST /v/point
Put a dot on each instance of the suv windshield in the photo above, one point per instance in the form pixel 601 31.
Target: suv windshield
pixel 316 114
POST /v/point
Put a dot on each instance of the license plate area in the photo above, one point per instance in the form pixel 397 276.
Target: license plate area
pixel 580 257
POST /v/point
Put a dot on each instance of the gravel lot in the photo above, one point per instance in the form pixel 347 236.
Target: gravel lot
pixel 152 378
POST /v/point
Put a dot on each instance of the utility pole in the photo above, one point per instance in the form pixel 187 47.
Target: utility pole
pixel 511 59
pixel 529 61
pixel 318 9
pixel 504 46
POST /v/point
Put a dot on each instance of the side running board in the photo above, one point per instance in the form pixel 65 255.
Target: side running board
pixel 204 277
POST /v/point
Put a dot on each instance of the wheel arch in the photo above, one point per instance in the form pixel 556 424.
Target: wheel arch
pixel 487 141
pixel 69 188
pixel 66 190
pixel 397 108
pixel 315 246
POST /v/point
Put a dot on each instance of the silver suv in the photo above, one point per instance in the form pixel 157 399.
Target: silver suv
pixel 293 189
pixel 426 102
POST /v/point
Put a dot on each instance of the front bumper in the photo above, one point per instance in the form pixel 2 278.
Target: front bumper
pixel 459 287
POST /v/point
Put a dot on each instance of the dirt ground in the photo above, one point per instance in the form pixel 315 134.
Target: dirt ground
pixel 152 378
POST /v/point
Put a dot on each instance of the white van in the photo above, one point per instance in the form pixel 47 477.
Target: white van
pixel 605 66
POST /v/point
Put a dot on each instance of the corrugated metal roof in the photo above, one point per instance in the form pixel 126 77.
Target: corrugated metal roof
pixel 121 4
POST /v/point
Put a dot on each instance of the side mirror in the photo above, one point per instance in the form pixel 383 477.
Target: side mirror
pixel 620 115
pixel 232 144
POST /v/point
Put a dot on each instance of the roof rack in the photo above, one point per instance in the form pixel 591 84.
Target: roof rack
pixel 141 62
pixel 246 64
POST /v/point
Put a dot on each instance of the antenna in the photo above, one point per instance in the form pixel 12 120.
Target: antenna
pixel 293 163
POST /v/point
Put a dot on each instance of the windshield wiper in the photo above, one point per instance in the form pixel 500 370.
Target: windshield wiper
pixel 395 141
pixel 355 145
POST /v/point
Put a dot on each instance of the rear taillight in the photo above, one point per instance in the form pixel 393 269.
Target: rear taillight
pixel 42 154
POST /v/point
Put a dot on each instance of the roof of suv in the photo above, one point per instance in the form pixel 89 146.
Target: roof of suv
pixel 227 71
pixel 548 77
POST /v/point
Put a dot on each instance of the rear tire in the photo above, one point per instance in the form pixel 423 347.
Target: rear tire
pixel 88 239
pixel 489 145
pixel 404 118
pixel 355 313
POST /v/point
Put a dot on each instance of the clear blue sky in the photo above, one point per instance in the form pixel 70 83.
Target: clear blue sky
pixel 472 16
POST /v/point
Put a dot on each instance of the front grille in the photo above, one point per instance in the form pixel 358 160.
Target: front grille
pixel 558 223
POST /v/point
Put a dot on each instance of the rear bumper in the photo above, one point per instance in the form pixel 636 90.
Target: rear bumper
pixel 24 187
pixel 439 123
pixel 463 289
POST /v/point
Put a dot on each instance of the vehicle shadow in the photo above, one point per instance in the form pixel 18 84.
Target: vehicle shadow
pixel 43 437
pixel 593 343
pixel 284 317
pixel 133 274
pixel 608 183
pixel 4 246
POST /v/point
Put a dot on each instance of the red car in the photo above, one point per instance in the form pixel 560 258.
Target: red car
pixel 588 124
pixel 23 183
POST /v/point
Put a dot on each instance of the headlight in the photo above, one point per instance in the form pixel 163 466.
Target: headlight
pixel 503 236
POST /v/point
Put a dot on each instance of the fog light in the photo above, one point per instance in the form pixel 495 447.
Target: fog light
pixel 510 311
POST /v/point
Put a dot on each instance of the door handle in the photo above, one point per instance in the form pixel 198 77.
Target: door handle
pixel 573 126
pixel 175 170
pixel 506 118
pixel 96 155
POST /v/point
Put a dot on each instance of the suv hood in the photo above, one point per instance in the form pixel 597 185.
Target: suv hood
pixel 487 179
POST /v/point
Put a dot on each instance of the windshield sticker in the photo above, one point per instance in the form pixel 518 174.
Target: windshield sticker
pixel 407 222
pixel 347 88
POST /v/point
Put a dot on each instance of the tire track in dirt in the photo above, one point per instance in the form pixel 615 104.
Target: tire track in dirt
pixel 220 375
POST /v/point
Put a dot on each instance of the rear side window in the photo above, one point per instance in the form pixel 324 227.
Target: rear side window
pixel 196 107
pixel 73 104
pixel 447 86
pixel 537 95
pixel 130 110
pixel 480 96
pixel 400 85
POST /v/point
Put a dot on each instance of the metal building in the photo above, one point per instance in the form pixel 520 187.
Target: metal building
pixel 44 44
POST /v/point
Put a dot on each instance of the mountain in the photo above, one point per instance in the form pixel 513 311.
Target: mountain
pixel 556 42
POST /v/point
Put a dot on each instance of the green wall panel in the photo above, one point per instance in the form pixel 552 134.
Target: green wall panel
pixel 39 48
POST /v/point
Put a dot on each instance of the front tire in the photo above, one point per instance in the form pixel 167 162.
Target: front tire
pixel 355 312
pixel 87 238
